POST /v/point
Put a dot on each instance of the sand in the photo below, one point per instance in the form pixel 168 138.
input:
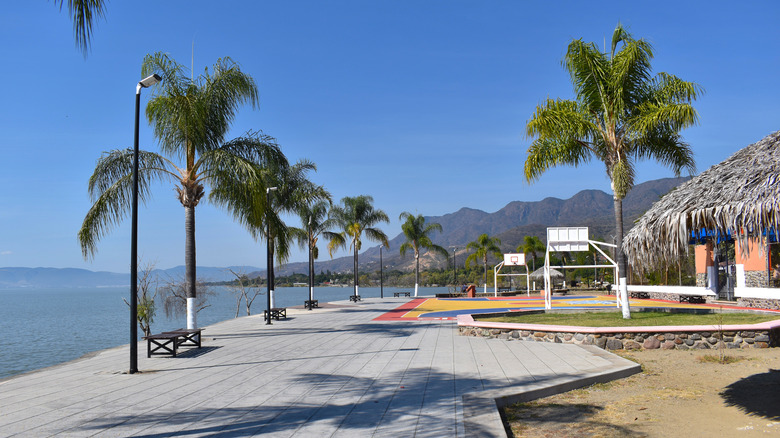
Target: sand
pixel 676 395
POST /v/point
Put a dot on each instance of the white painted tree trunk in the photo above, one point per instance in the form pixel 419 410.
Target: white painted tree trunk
pixel 415 289
pixel 623 291
pixel 192 317
pixel 273 304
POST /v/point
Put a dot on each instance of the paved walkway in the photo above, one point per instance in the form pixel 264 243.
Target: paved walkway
pixel 327 372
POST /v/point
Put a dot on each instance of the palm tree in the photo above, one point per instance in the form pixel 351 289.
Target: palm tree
pixel 190 119
pixel 83 13
pixel 532 245
pixel 417 234
pixel 621 114
pixel 314 222
pixel 262 216
pixel 483 246
pixel 355 216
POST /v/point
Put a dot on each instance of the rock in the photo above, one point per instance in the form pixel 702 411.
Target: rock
pixel 748 334
pixel 614 344
pixel 761 345
pixel 762 338
pixel 579 337
pixel 632 345
pixel 539 334
pixel 706 334
pixel 651 343
pixel 515 334
pixel 689 342
pixel 695 336
pixel 669 336
pixel 701 346
pixel 568 337
pixel 668 345
pixel 678 341
pixel 749 340
pixel 600 342
pixel 557 340
pixel 712 340
pixel 504 336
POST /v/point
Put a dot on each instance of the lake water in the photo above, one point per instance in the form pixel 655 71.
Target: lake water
pixel 44 327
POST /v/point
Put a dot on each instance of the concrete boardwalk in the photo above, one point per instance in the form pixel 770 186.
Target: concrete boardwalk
pixel 323 373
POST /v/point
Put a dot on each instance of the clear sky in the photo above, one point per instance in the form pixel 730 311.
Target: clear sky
pixel 421 104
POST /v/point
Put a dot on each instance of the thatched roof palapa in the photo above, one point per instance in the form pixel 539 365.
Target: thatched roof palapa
pixel 539 274
pixel 740 197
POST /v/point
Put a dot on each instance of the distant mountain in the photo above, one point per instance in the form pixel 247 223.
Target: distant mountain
pixel 591 208
pixel 54 277
pixel 74 278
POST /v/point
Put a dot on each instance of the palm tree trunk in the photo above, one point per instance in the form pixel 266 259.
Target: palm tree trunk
pixel 416 272
pixel 485 279
pixel 311 275
pixel 355 267
pixel 189 265
pixel 271 275
pixel 621 259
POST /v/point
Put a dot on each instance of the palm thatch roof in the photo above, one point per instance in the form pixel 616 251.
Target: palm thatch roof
pixel 738 197
pixel 539 274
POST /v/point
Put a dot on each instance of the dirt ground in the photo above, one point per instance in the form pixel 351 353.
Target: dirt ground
pixel 676 395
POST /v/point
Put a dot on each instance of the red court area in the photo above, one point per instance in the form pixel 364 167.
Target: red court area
pixel 450 308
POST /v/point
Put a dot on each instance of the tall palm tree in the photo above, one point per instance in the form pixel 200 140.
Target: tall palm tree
pixel 190 119
pixel 262 216
pixel 417 234
pixel 314 222
pixel 355 216
pixel 483 246
pixel 83 13
pixel 532 245
pixel 621 114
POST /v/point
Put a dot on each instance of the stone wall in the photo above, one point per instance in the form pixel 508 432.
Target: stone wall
pixel 756 279
pixel 639 341
pixel 701 279
pixel 759 303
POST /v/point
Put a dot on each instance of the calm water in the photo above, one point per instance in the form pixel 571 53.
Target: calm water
pixel 44 327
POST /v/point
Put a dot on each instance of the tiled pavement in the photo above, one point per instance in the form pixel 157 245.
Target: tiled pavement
pixel 321 373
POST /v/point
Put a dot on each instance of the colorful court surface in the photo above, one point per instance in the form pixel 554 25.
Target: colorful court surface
pixel 450 308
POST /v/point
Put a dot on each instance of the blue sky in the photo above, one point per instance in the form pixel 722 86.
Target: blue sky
pixel 421 104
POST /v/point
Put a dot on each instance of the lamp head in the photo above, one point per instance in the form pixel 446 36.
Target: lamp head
pixel 149 81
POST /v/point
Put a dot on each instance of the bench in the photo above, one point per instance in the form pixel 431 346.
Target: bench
pixel 693 299
pixel 354 298
pixel 169 342
pixel 642 295
pixel 398 294
pixel 310 304
pixel 276 313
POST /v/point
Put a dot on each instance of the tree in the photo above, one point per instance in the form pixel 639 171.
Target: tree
pixel 355 216
pixel 532 245
pixel 483 246
pixel 314 222
pixel 175 300
pixel 262 216
pixel 621 114
pixel 417 234
pixel 191 118
pixel 146 306
pixel 245 291
pixel 83 13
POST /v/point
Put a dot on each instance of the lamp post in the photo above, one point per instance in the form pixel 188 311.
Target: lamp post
pixel 381 282
pixel 454 266
pixel 144 83
pixel 310 304
pixel 268 254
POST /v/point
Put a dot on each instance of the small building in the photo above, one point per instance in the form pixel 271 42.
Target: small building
pixel 736 202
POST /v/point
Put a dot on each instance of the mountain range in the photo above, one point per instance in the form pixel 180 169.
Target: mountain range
pixel 591 208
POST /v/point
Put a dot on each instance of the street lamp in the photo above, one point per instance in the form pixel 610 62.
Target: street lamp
pixel 454 266
pixel 144 83
pixel 268 254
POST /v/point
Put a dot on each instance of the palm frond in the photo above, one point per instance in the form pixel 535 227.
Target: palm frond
pixel 111 188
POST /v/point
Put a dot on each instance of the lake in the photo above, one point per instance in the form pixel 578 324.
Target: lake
pixel 44 327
